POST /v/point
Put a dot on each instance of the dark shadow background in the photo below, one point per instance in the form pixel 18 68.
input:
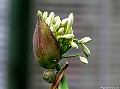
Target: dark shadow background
pixel 98 19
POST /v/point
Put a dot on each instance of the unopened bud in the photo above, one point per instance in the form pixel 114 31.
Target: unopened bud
pixel 56 18
pixel 45 46
pixel 60 31
pixel 45 14
pixel 50 75
pixel 48 21
pixel 67 36
pixel 39 13
pixel 85 40
pixel 70 31
pixel 64 22
pixel 74 45
pixel 52 15
pixel 52 28
pixel 70 21
pixel 85 50
pixel 83 59
pixel 57 24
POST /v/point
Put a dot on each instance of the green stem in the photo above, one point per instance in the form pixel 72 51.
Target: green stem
pixel 63 83
pixel 76 41
pixel 75 55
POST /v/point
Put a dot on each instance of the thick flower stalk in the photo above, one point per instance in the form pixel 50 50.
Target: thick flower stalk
pixel 52 38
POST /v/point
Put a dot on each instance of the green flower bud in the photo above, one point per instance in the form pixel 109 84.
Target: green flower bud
pixel 51 16
pixel 39 13
pixel 45 46
pixel 71 31
pixel 74 45
pixel 67 36
pixel 70 21
pixel 60 31
pixel 45 14
pixel 52 28
pixel 48 21
pixel 83 59
pixel 85 50
pixel 56 19
pixel 57 24
pixel 85 40
pixel 50 75
pixel 64 22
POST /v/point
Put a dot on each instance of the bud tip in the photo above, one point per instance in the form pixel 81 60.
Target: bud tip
pixel 39 13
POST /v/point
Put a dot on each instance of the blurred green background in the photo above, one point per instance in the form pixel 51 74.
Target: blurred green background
pixel 98 19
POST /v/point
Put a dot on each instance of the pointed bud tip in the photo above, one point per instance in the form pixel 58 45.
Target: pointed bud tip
pixel 71 14
pixel 56 19
pixel 45 14
pixel 39 13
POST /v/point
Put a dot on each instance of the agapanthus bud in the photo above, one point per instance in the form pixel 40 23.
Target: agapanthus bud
pixel 85 50
pixel 52 15
pixel 83 59
pixel 71 31
pixel 67 36
pixel 45 46
pixel 45 14
pixel 57 24
pixel 85 39
pixel 60 31
pixel 50 75
pixel 74 45
pixel 48 21
pixel 64 22
pixel 70 21
pixel 39 13
pixel 52 28
pixel 56 19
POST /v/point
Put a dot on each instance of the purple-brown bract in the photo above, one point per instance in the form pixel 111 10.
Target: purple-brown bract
pixel 45 46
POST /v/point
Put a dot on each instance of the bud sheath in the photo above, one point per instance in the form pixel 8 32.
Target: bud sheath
pixel 45 46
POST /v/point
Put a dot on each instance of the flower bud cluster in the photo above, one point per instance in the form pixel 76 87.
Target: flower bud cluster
pixel 62 30
pixel 59 27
